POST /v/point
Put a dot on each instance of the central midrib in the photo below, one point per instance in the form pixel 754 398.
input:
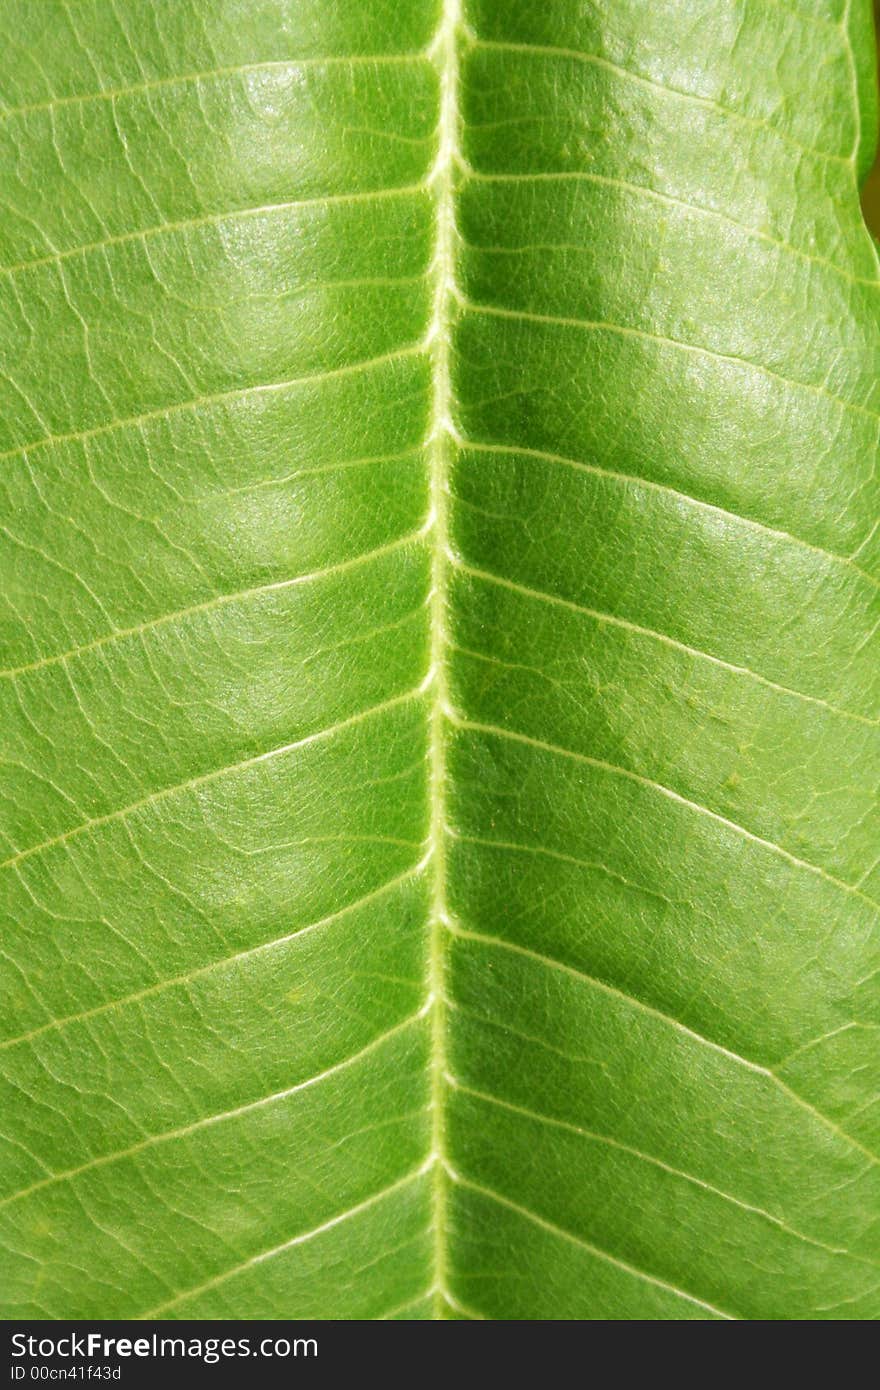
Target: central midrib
pixel 440 445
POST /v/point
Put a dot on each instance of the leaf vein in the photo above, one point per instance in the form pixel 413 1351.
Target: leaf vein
pixel 640 630
pixel 663 340
pixel 594 1137
pixel 694 98
pixel 113 94
pixel 238 393
pixel 597 471
pixel 206 777
pixel 551 963
pixel 562 1234
pixel 219 601
pixel 300 1239
pixel 153 1140
pixel 556 749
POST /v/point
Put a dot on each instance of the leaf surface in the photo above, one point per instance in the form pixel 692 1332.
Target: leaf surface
pixel 439 699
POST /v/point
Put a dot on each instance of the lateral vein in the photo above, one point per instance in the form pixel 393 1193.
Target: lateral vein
pixel 406 1181
pixel 180 981
pixel 235 393
pixel 666 489
pixel 208 605
pixel 212 775
pixel 653 634
pixel 633 1001
pixel 561 1234
pixel 557 750
pixel 207 1121
pixel 592 1136
pixel 663 340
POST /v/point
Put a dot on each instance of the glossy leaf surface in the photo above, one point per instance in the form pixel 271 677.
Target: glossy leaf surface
pixel 440 680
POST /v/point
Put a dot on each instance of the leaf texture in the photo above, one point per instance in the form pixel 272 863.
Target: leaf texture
pixel 441 581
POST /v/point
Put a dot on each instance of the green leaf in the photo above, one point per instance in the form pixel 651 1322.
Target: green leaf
pixel 439 697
